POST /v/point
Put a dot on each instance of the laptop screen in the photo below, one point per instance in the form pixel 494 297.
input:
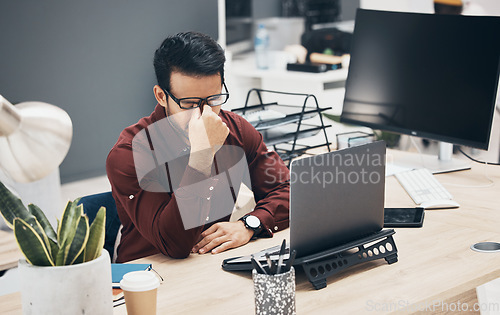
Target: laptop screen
pixel 336 197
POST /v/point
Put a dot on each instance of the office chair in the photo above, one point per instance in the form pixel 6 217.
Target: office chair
pixel 91 205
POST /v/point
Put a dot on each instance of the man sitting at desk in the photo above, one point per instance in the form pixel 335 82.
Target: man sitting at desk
pixel 183 203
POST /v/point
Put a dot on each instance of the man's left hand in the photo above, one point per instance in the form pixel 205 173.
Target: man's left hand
pixel 223 236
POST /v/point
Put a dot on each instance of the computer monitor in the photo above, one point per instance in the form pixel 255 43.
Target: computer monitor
pixel 338 14
pixel 238 25
pixel 426 75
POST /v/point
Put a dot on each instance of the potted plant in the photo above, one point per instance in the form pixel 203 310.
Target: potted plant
pixel 64 271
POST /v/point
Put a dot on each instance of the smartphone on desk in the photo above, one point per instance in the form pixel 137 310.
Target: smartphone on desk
pixel 403 217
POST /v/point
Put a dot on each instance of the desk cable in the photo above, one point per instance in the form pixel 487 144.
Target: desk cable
pixel 491 182
pixel 477 161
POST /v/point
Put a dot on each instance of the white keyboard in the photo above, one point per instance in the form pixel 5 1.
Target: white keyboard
pixel 422 186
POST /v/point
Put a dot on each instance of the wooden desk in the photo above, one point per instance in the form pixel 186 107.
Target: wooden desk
pixel 9 251
pixel 435 264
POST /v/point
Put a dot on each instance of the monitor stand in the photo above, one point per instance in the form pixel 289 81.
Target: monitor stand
pixel 443 163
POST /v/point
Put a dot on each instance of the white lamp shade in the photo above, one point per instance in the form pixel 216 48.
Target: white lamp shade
pixel 35 139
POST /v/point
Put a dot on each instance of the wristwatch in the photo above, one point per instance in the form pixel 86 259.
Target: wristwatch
pixel 253 223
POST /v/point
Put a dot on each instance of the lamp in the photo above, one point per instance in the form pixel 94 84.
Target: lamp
pixel 34 139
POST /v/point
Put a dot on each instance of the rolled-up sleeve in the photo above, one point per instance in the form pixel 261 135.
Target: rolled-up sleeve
pixel 270 181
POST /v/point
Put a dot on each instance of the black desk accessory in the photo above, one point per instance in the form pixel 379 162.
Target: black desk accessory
pixel 282 134
pixel 274 268
pixel 404 217
pixel 313 67
pixel 318 267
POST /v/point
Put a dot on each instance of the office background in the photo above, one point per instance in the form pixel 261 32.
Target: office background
pixel 94 59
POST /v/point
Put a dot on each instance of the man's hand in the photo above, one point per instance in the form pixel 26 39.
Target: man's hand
pixel 206 130
pixel 223 236
pixel 207 133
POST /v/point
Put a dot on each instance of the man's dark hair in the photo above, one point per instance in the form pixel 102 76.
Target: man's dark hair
pixel 190 53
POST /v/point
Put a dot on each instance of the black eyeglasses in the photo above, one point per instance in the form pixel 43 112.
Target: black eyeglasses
pixel 194 102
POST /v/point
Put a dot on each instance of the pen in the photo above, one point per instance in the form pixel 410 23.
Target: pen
pixel 254 265
pixel 258 266
pixel 289 263
pixel 280 259
pixel 270 263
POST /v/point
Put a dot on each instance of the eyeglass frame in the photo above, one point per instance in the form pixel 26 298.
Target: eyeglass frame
pixel 201 100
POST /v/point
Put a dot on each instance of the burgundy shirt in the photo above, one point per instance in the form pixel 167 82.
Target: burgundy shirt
pixel 152 222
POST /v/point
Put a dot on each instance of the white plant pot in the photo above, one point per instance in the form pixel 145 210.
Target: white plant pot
pixel 76 289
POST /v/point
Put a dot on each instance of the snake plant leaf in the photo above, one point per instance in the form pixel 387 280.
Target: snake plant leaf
pixel 33 222
pixel 96 236
pixel 31 244
pixel 45 231
pixel 69 222
pixel 65 244
pixel 79 240
pixel 11 206
pixel 54 248
pixel 63 248
pixel 42 219
pixel 79 259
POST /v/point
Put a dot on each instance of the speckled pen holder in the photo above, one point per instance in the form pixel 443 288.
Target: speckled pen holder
pixel 274 294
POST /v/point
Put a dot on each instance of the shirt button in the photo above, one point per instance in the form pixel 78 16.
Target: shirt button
pixel 131 197
pixel 211 188
pixel 208 198
pixel 207 219
pixel 275 228
pixel 185 149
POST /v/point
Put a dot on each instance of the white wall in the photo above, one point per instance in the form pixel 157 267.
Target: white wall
pixel 94 59
pixel 422 6
pixel 482 7
pixel 45 193
pixel 472 7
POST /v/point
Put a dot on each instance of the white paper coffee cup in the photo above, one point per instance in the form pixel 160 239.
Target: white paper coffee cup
pixel 140 290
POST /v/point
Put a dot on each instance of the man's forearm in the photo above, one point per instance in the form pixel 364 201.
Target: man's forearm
pixel 202 161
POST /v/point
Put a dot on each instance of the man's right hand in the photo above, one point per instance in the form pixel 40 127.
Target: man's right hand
pixel 206 131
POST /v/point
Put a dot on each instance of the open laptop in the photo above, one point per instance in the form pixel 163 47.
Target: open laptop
pixel 335 198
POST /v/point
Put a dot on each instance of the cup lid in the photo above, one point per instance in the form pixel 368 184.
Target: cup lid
pixel 137 281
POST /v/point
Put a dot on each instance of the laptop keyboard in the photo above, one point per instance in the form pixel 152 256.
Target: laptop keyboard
pixel 276 252
pixel 261 256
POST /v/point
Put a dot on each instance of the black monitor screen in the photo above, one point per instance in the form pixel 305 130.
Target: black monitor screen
pixel 239 21
pixel 433 76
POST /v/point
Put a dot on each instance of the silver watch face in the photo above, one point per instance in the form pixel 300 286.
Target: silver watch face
pixel 252 221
